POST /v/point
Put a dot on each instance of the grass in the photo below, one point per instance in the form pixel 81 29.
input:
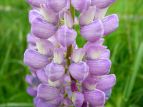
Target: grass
pixel 126 45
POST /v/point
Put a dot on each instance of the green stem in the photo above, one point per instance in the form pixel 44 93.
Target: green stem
pixel 72 10
pixel 69 49
pixel 69 52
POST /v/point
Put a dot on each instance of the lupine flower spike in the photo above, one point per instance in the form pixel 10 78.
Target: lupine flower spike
pixel 63 75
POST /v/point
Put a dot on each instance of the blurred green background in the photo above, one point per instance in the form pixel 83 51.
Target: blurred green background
pixel 126 45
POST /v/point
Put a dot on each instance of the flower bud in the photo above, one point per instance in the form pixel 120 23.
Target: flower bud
pixel 111 20
pixel 54 71
pixel 34 59
pixel 93 31
pixel 79 71
pixel 95 98
pixel 99 66
pixel 41 29
pixel 77 99
pixel 66 36
pixel 102 3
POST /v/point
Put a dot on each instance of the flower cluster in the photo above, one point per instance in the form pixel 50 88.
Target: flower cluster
pixel 63 75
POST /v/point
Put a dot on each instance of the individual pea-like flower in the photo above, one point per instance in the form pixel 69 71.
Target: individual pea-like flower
pixel 111 20
pixel 34 59
pixel 79 71
pixel 95 98
pixel 66 36
pixel 62 74
pixel 93 31
pixel 93 82
pixel 54 71
pixel 42 29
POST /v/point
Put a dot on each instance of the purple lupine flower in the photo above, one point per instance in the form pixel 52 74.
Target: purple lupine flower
pixel 42 29
pixel 62 74
pixel 54 71
pixel 95 98
pixel 111 20
pixel 98 82
pixel 99 66
pixel 93 31
pixel 47 92
pixel 66 36
pixel 44 47
pixel 79 71
pixel 34 59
